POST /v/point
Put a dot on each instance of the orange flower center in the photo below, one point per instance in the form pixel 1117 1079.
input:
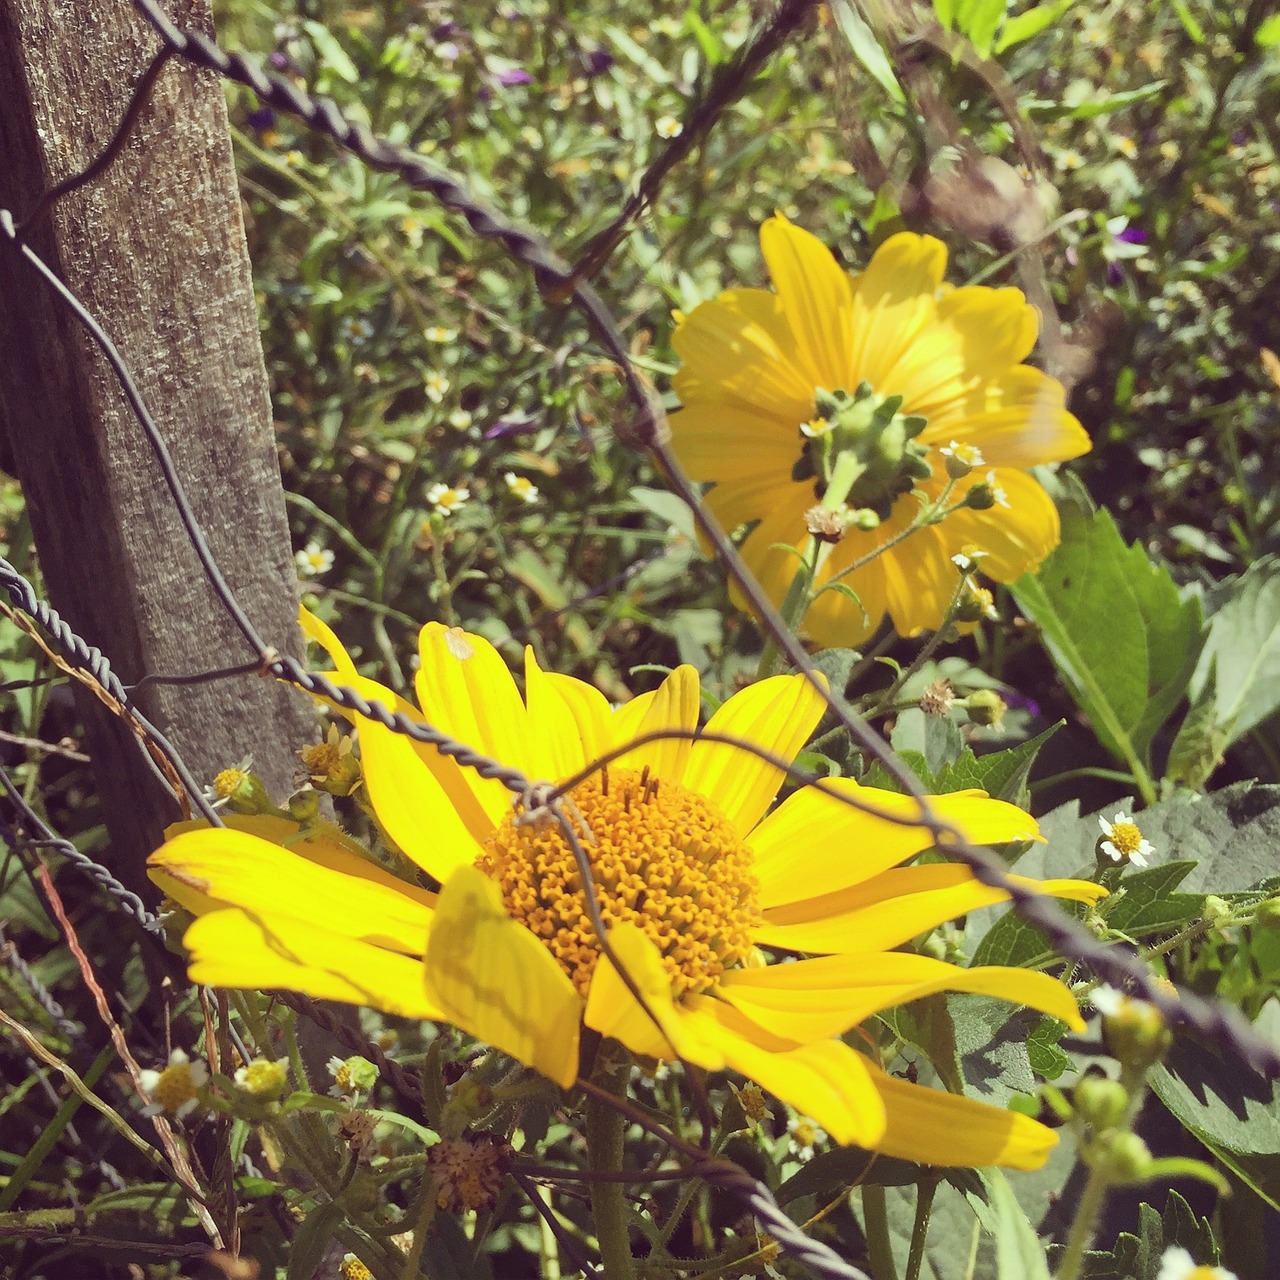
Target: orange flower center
pixel 661 857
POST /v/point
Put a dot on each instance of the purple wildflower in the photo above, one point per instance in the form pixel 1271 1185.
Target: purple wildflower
pixel 513 76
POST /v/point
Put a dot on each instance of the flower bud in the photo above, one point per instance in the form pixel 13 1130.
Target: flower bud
pixel 1099 1102
pixel 1124 1156
pixel 1134 1031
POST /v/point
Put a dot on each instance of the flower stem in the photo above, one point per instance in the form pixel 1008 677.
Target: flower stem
pixel 875 1215
pixel 1086 1219
pixel 920 1227
pixel 800 595
pixel 606 1128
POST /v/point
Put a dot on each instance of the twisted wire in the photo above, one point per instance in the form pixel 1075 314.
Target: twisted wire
pixel 554 277
pixel 47 838
pixel 556 280
pixel 83 656
pixel 39 992
pixel 402 1081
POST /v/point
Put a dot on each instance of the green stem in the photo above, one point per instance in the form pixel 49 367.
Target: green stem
pixel 875 1214
pixel 606 1129
pixel 800 595
pixel 925 1192
pixel 1095 1190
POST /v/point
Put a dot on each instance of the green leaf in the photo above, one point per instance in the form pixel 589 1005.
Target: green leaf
pixel 937 738
pixel 847 1167
pixel 154 1201
pixel 978 21
pixel 1268 34
pixel 1120 635
pixel 332 55
pixel 1239 666
pixel 1025 25
pixel 313 1238
pixel 1091 108
pixel 1002 774
pixel 1230 1110
pixel 1150 905
pixel 1043 1054
pixel 1200 741
pixel 866 48
pixel 1188 20
pixel 1019 1253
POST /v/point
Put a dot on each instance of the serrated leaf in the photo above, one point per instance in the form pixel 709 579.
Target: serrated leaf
pixel 878 776
pixel 1150 905
pixel 1119 633
pixel 1046 1059
pixel 1232 1111
pixel 1239 665
pixel 1002 774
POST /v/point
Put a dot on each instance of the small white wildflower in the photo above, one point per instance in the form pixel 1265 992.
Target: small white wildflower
pixel 176 1089
pixel 815 428
pixel 668 127
pixel 436 386
pixel 805 1136
pixel 966 559
pixel 1123 841
pixel 1177 1264
pixel 997 491
pixel 521 487
pixel 460 420
pixel 313 561
pixel 263 1077
pixel 438 333
pixel 446 500
pixel 969 454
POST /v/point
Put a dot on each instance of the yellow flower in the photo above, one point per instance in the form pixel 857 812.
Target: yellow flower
pixel 761 368
pixel 694 872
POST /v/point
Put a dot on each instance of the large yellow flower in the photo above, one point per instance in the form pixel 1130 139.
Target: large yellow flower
pixel 693 872
pixel 758 366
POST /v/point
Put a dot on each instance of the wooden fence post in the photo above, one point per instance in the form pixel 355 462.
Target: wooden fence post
pixel 155 249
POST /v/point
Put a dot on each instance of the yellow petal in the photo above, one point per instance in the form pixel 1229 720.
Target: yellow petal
pixel 920 581
pixel 726 444
pixel 816 843
pixel 265 879
pixel 1015 539
pixel 893 303
pixel 895 906
pixel 738 350
pixel 979 334
pixel 812 999
pixel 425 802
pixel 835 621
pixel 674 705
pixel 591 712
pixel 777 714
pixel 613 1011
pixel 827 1081
pixel 1018 420
pixel 494 979
pixel 816 299
pixel 555 743
pixel 934 1127
pixel 232 948
pixel 323 635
